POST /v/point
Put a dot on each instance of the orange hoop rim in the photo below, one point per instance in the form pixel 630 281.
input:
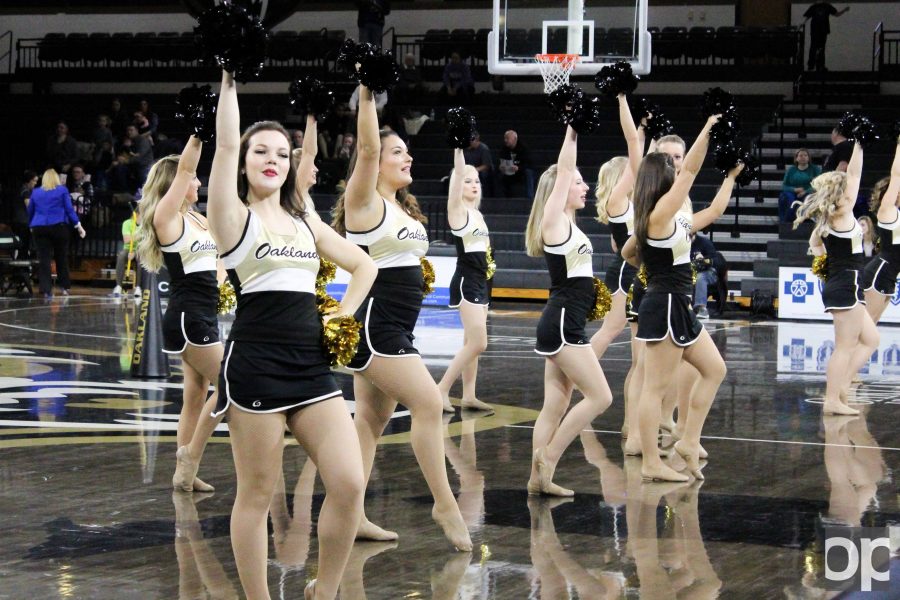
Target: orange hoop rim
pixel 558 58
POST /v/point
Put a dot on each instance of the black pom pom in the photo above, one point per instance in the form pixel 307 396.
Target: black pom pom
pixel 460 127
pixel 572 107
pixel 726 129
pixel 751 169
pixel 848 123
pixel 196 108
pixel 234 38
pixel 616 79
pixel 641 108
pixel 310 96
pixel 716 101
pixel 659 126
pixel 727 155
pixel 346 59
pixel 562 98
pixel 865 132
pixel 378 71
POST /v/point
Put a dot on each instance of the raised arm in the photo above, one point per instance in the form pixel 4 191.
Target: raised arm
pixel 307 165
pixel 352 259
pixel 456 210
pixel 555 225
pixel 716 208
pixel 167 219
pixel 629 252
pixel 618 197
pixel 854 172
pixel 886 212
pixel 361 186
pixel 226 213
pixel 673 200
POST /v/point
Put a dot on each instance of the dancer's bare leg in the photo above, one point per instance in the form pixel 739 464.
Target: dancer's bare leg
pixel 613 324
pixel 868 343
pixel 663 357
pixel 635 389
pixel 626 390
pixel 474 320
pixel 848 331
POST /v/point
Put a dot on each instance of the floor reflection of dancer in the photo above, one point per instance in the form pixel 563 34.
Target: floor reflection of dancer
pixel 614 207
pixel 275 372
pixel 854 465
pixel 292 528
pixel 666 321
pixel 552 233
pixel 200 574
pixel 837 233
pixel 463 459
pixel 468 287
pixel 176 236
pixel 378 213
pixel 880 276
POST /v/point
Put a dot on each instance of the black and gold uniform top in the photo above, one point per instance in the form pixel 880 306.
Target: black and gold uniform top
pixel 191 261
pixel 472 241
pixel 844 248
pixel 889 234
pixel 668 261
pixel 570 264
pixel 274 279
pixel 397 241
pixel 622 227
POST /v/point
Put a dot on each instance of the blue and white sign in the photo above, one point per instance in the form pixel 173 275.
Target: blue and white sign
pixel 805 349
pixel 800 297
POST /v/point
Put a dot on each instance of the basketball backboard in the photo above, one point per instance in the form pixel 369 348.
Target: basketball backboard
pixel 601 34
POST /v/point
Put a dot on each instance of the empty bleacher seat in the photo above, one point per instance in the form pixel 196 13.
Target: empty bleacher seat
pixel 462 41
pixel 52 47
pixel 700 42
pixel 436 45
pixel 670 43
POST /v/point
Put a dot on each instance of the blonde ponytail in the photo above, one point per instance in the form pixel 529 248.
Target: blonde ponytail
pixel 160 178
pixel 820 206
pixel 609 176
pixel 534 243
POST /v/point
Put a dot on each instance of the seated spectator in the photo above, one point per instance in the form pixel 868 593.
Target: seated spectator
pixel 841 150
pixel 411 85
pixel 516 168
pixel 140 155
pixel 62 149
pixel 797 185
pixel 479 156
pixel 702 255
pixel 82 192
pixel 297 139
pixel 151 128
pixel 101 136
pixel 458 82
pixel 119 119
pixel 126 254
pixel 868 231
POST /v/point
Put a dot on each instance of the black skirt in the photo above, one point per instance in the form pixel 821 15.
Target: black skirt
pixel 881 276
pixel 665 315
pixel 843 290
pixel 389 316
pixel 267 378
pixel 183 328
pixel 563 319
pixel 470 286
pixel 619 276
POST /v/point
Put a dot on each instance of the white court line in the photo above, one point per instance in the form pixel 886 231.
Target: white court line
pixel 91 335
pixel 734 439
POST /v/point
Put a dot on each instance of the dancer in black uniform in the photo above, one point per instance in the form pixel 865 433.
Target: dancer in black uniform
pixel 378 213
pixel 275 372
pixel 561 338
pixel 880 276
pixel 838 234
pixel 666 322
pixel 176 236
pixel 468 287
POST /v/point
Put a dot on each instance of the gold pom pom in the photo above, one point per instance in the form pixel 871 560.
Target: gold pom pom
pixel 485 554
pixel 325 304
pixel 340 338
pixel 227 298
pixel 327 271
pixel 629 297
pixel 491 265
pixel 427 275
pixel 602 301
pixel 642 275
pixel 693 274
pixel 820 267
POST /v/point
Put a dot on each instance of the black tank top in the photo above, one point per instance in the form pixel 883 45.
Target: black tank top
pixel 668 261
pixel 889 234
pixel 622 227
pixel 844 249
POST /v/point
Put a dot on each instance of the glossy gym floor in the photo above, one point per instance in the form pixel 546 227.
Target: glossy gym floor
pixel 87 454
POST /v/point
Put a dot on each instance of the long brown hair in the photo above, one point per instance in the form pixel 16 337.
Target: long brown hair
pixel 878 194
pixel 289 201
pixel 407 201
pixel 654 178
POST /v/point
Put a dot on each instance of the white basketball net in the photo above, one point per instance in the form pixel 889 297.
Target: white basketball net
pixel 555 69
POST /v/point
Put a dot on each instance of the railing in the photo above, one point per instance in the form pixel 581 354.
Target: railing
pixel 878 47
pixel 885 49
pixel 8 54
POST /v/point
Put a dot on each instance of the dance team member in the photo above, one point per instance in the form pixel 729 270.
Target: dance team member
pixel 552 233
pixel 175 235
pixel 468 287
pixel 378 213
pixel 275 372
pixel 304 159
pixel 880 275
pixel 666 322
pixel 838 234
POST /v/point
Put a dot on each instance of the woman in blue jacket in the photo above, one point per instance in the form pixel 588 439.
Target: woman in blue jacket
pixel 50 215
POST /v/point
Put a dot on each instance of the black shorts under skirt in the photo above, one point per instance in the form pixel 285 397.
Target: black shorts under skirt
pixel 881 276
pixel 619 276
pixel 183 328
pixel 843 290
pixel 563 319
pixel 267 378
pixel 665 315
pixel 470 287
pixel 637 294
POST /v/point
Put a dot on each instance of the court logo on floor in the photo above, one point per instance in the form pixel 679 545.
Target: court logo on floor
pixel 858 558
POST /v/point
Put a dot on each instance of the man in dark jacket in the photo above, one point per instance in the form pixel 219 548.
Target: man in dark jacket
pixel 370 20
pixel 819 16
pixel 516 167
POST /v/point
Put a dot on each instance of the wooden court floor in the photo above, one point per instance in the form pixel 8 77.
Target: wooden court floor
pixel 87 454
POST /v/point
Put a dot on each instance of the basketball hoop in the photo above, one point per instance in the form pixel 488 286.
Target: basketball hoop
pixel 555 69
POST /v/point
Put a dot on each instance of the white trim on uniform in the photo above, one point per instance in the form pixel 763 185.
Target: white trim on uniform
pixel 372 351
pixel 562 337
pixel 187 340
pixel 855 293
pixel 669 333
pixel 875 278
